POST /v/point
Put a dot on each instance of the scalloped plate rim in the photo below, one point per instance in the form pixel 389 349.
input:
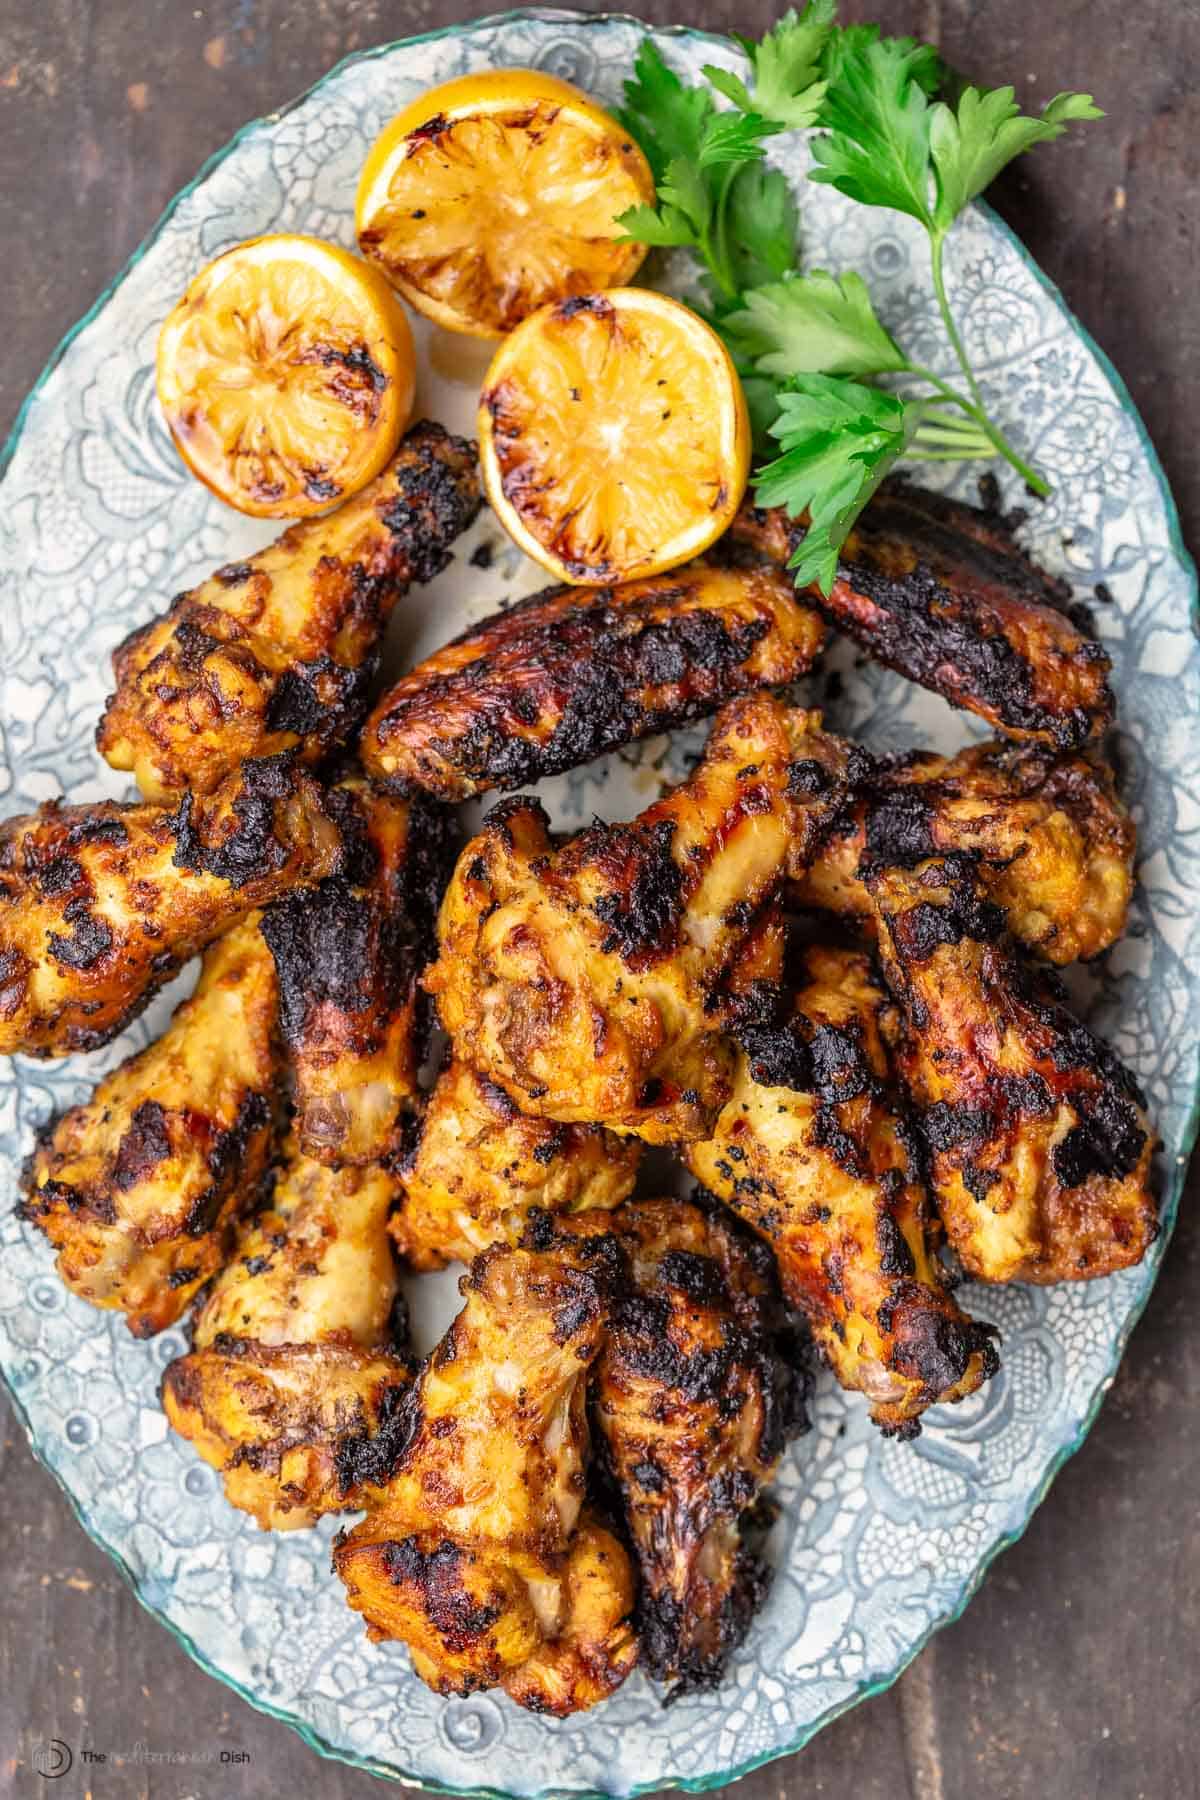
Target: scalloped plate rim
pixel 1172 1188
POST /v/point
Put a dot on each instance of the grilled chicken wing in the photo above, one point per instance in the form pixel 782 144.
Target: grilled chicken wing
pixel 480 1166
pixel 477 1485
pixel 1057 844
pixel 100 905
pixel 349 955
pixel 139 1188
pixel 580 979
pixel 295 1353
pixel 814 1151
pixel 596 1645
pixel 942 593
pixel 572 672
pixel 279 652
pixel 1039 1144
pixel 694 1404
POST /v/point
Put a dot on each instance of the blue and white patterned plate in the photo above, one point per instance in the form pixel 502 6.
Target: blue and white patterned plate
pixel 878 1543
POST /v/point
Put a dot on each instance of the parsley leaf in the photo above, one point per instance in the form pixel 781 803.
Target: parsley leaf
pixel 787 88
pixel 971 144
pixel 665 115
pixel 814 324
pixel 839 440
pixel 877 111
pixel 762 225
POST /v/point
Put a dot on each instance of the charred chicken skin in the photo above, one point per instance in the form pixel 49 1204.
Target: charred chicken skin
pixel 477 1487
pixel 1056 844
pixel 572 672
pixel 942 593
pixel 295 1352
pixel 100 905
pixel 814 1151
pixel 581 980
pixel 694 1404
pixel 349 955
pixel 1039 1146
pixel 480 1166
pixel 139 1189
pixel 279 652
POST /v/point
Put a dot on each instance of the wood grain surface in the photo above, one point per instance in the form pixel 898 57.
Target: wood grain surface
pixel 1074 1674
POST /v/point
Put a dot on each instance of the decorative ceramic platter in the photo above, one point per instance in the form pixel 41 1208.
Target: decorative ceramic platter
pixel 878 1542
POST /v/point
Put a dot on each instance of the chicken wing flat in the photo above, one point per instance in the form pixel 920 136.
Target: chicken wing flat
pixel 296 1352
pixel 1057 846
pixel 279 652
pixel 1040 1149
pixel 477 1486
pixel 814 1151
pixel 100 905
pixel 942 593
pixel 480 1166
pixel 139 1189
pixel 572 672
pixel 581 979
pixel 694 1404
pixel 349 955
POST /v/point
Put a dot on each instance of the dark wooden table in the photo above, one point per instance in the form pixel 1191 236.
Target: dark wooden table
pixel 1074 1675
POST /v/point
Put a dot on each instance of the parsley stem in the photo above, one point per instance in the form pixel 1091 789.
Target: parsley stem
pixel 715 249
pixel 1029 475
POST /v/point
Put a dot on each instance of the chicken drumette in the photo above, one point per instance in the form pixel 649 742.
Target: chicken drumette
pixel 572 672
pixel 1056 844
pixel 814 1150
pixel 139 1189
pixel 694 1403
pixel 100 905
pixel 479 1167
pixel 349 955
pixel 297 1350
pixel 1039 1146
pixel 941 593
pixel 582 979
pixel 472 1554
pixel 279 652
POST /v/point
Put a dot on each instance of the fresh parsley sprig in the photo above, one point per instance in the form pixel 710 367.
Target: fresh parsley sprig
pixel 810 348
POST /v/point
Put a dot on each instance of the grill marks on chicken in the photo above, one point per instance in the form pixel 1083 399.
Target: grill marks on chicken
pixel 815 1152
pixel 100 905
pixel 279 652
pixel 480 1166
pixel 1056 844
pixel 1039 1145
pixel 571 672
pixel 349 955
pixel 694 1403
pixel 139 1189
pixel 582 979
pixel 942 593
pixel 477 1487
pixel 296 1354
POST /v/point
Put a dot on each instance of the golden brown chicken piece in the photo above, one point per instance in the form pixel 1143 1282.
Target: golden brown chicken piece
pixel 349 955
pixel 100 905
pixel 296 1353
pixel 139 1189
pixel 478 1483
pixel 1057 844
pixel 279 652
pixel 942 593
pixel 1040 1149
pixel 572 672
pixel 694 1403
pixel 814 1151
pixel 580 979
pixel 479 1167
pixel 596 1645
